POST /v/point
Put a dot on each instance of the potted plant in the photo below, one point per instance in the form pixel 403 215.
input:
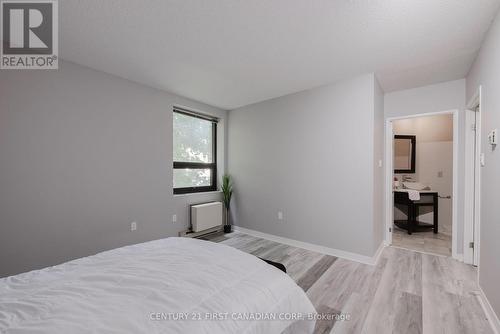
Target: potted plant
pixel 227 192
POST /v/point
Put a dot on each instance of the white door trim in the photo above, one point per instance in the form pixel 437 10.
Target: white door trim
pixel 389 179
pixel 473 193
pixel 469 166
pixel 389 176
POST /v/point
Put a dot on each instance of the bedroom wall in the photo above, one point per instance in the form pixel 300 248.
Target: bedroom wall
pixel 485 72
pixel 84 154
pixel 378 171
pixel 448 95
pixel 311 156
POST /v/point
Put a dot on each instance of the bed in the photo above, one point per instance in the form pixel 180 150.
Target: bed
pixel 172 285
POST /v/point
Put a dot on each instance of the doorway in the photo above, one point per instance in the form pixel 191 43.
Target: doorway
pixel 421 190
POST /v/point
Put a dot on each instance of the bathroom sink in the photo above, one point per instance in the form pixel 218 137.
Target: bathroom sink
pixel 414 185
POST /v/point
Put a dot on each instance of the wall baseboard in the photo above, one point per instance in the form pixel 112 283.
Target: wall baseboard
pixel 489 311
pixel 371 260
pixel 379 251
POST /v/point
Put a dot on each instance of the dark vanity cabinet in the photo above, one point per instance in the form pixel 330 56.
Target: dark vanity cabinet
pixel 412 224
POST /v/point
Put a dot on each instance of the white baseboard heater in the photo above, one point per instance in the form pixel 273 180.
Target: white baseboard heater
pixel 206 216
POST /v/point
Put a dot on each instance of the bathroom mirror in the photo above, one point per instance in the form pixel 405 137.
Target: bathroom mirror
pixel 404 154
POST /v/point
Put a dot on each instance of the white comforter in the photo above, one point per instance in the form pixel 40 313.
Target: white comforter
pixel 149 287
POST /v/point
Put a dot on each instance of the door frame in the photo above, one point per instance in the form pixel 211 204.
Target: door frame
pixel 472 185
pixel 389 172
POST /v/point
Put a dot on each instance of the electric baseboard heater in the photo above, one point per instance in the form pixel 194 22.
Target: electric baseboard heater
pixel 206 216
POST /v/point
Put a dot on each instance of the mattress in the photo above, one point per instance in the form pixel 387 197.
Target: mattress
pixel 173 285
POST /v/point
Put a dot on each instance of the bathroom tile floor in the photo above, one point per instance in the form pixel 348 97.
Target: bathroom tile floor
pixel 426 242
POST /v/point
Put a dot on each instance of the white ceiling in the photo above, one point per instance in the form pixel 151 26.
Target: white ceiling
pixel 230 53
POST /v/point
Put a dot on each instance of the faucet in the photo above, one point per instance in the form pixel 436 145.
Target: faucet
pixel 407 178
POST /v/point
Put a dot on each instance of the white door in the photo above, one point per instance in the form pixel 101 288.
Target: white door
pixel 472 182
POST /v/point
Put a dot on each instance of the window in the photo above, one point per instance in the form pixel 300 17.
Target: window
pixel 194 154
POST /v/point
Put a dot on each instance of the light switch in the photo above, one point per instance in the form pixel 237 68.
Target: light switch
pixel 280 215
pixel 492 137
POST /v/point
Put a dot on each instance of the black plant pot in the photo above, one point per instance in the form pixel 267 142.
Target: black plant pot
pixel 227 228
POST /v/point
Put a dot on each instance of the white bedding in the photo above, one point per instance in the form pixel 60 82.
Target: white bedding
pixel 144 288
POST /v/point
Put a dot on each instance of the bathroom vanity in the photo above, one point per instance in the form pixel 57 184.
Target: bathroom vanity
pixel 412 224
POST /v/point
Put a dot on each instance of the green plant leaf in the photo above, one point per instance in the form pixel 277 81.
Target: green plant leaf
pixel 227 190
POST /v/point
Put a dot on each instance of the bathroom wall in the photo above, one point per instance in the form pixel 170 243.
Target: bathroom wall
pixel 434 162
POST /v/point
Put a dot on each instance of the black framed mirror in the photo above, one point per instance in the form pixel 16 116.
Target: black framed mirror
pixel 404 154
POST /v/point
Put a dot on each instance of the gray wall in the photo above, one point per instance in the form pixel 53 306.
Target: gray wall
pixel 83 154
pixel 439 97
pixel 485 72
pixel 311 155
pixel 378 171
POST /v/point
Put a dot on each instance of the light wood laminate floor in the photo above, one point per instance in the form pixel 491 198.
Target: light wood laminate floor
pixel 406 292
pixel 426 242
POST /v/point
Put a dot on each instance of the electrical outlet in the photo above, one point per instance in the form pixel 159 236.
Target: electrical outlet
pixel 133 226
pixel 280 215
pixel 174 219
pixel 440 173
